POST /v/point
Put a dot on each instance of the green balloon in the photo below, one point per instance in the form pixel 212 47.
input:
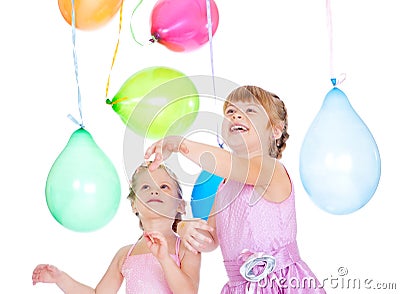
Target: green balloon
pixel 157 101
pixel 83 189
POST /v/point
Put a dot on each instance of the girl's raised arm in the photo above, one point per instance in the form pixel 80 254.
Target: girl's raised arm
pixel 255 171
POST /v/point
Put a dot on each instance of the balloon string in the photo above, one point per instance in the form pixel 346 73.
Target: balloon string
pixel 329 25
pixel 76 67
pixel 209 25
pixel 130 25
pixel 335 81
pixel 115 50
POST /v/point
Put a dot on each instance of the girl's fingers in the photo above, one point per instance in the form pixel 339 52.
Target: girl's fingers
pixel 183 148
pixel 158 157
pixel 36 275
pixel 156 236
pixel 149 238
pixel 199 225
pixel 194 235
pixel 149 243
pixel 39 267
pixel 149 151
pixel 203 225
pixel 196 241
pixel 156 162
pixel 153 149
pixel 189 247
pixel 202 239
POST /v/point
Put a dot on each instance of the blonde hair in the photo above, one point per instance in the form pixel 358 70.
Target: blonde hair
pixel 132 195
pixel 274 107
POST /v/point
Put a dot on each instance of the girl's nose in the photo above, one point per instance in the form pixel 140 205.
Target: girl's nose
pixel 154 193
pixel 237 116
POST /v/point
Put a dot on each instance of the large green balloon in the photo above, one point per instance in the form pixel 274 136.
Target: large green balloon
pixel 83 189
pixel 157 101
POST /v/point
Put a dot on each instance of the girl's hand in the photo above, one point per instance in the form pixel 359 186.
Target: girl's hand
pixel 163 148
pixel 45 273
pixel 194 235
pixel 157 244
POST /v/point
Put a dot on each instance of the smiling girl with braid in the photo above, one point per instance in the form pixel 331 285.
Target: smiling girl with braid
pixel 253 218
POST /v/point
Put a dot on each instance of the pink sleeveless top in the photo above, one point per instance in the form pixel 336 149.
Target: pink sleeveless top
pixel 249 226
pixel 143 273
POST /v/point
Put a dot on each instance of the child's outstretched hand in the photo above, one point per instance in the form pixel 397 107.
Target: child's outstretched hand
pixel 45 273
pixel 163 148
pixel 157 244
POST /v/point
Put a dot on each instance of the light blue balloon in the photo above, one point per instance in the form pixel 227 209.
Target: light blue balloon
pixel 203 194
pixel 340 165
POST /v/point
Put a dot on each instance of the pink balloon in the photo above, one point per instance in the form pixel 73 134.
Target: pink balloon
pixel 182 25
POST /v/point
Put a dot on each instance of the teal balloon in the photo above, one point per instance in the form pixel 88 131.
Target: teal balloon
pixel 203 194
pixel 340 165
pixel 83 189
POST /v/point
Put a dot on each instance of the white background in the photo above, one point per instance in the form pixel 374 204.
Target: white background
pixel 281 46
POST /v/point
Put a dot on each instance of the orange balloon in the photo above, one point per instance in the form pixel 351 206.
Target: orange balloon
pixel 89 14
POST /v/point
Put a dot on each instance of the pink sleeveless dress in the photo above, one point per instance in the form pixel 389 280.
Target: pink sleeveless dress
pixel 143 273
pixel 258 243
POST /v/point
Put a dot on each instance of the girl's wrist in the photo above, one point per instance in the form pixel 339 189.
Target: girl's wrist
pixel 165 260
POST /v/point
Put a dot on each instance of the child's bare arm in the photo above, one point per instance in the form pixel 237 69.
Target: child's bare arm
pixel 46 273
pixel 183 280
pixel 256 170
pixel 112 279
pixel 110 283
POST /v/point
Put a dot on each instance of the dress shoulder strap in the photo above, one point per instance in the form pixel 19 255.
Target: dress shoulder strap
pixel 177 245
pixel 130 249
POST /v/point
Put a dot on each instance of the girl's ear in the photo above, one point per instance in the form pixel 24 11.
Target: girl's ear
pixel 134 209
pixel 277 132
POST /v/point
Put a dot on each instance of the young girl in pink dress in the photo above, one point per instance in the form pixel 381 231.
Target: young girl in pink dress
pixel 156 263
pixel 253 218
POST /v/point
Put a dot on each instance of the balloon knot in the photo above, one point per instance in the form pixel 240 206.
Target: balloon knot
pixel 339 80
pixel 109 102
pixel 154 38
